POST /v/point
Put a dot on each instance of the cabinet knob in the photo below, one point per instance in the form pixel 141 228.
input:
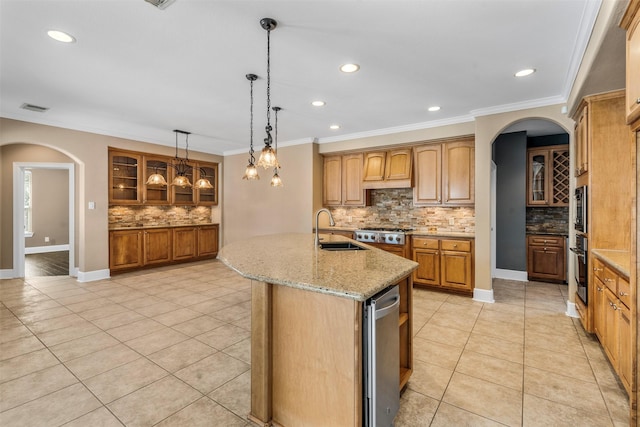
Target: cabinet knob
pixel 638 101
pixel 436 252
pixel 455 245
pixel 599 288
pixel 615 307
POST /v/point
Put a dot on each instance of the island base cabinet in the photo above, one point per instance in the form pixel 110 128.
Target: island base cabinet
pixel 307 355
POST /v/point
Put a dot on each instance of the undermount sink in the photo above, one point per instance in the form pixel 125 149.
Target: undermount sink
pixel 341 246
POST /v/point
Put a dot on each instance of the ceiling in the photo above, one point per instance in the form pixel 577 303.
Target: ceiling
pixel 139 72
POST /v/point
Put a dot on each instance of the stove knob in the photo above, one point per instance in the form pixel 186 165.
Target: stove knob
pixel 359 236
pixel 397 238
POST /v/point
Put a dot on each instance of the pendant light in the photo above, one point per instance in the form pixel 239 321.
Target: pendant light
pixel 157 179
pixel 251 172
pixel 268 156
pixel 276 181
pixel 180 165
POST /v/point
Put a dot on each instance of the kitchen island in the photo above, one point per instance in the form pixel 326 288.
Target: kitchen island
pixel 307 325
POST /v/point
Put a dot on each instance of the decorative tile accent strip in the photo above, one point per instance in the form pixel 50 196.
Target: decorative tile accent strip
pixel 548 220
pixel 394 208
pixel 153 216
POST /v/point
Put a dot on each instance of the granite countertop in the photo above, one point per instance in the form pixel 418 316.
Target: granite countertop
pixel 147 227
pixel 293 260
pixel 619 260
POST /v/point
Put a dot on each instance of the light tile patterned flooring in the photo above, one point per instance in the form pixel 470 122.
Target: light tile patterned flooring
pixel 170 347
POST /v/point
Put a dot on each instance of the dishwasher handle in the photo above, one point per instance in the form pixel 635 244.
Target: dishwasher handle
pixel 383 311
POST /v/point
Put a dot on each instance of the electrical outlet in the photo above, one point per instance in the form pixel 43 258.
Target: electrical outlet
pixel 452 221
pixel 46 239
pixel 349 218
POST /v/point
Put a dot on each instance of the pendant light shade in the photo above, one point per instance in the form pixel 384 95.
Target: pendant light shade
pixel 157 179
pixel 203 184
pixel 251 173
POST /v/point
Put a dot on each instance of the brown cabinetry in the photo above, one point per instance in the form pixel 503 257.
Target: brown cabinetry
pixel 582 141
pixel 444 173
pixel 631 23
pixel 342 181
pixel 124 177
pixel 125 249
pixel 548 176
pixel 387 169
pixel 129 172
pixel 157 246
pixel 137 248
pixel 613 320
pixel 546 258
pixel 443 262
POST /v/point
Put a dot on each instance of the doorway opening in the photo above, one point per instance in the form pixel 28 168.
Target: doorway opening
pixel 47 256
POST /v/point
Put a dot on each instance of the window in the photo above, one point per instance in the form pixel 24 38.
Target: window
pixel 28 208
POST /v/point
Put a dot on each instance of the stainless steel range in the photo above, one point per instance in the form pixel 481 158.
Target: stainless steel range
pixel 389 236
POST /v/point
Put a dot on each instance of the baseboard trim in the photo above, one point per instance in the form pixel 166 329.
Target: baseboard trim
pixel 45 249
pixel 483 295
pixel 571 310
pixel 520 276
pixel 7 274
pixel 92 276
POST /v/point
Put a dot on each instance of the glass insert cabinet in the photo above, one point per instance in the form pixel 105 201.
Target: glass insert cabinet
pixel 129 171
pixel 548 176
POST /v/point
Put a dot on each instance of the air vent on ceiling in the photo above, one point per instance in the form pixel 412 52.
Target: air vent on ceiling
pixel 160 4
pixel 36 108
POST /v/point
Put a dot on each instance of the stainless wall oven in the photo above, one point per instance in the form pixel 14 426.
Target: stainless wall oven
pixel 580 265
pixel 580 206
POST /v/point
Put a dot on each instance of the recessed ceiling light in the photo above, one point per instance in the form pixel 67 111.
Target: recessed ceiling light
pixel 334 127
pixel 61 36
pixel 318 103
pixel 349 68
pixel 525 72
pixel 434 108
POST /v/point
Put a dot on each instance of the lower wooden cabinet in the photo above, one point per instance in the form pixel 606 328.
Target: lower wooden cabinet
pixel 140 248
pixel 546 258
pixel 612 320
pixel 444 263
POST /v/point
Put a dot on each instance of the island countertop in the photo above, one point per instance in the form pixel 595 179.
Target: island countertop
pixel 293 260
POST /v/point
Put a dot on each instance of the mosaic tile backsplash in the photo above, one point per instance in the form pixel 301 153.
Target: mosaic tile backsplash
pixel 154 216
pixel 394 208
pixel 553 220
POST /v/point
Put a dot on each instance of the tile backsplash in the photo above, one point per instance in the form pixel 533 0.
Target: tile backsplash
pixel 554 220
pixel 394 208
pixel 131 216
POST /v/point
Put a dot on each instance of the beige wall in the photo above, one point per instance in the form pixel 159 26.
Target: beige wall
pixel 89 152
pixel 254 208
pixel 50 207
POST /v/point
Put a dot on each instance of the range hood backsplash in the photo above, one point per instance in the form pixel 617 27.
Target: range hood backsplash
pixel 394 207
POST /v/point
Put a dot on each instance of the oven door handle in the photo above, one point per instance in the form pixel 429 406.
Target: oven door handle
pixel 578 252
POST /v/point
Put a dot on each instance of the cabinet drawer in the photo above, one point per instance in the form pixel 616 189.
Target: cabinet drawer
pixel 546 240
pixel 610 278
pixel 623 291
pixel 456 245
pixel 424 243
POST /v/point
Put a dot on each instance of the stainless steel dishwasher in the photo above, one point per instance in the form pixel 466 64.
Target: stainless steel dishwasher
pixel 381 358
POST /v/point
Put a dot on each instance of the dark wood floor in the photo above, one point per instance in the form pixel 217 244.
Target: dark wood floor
pixel 47 264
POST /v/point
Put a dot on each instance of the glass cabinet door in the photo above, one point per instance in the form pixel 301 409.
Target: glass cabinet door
pixel 156 194
pixel 184 195
pixel 208 196
pixel 124 178
pixel 537 180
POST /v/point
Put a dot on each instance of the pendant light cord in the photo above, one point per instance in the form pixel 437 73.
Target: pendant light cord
pixel 252 159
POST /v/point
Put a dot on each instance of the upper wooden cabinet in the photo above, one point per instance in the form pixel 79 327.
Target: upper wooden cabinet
pixel 548 176
pixel 631 23
pixel 387 169
pixel 124 177
pixel 445 173
pixel 342 181
pixel 582 140
pixel 129 171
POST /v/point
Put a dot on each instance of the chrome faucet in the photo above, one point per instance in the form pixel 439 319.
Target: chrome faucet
pixel 331 222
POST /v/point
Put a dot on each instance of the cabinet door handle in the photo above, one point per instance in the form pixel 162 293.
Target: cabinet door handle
pixel 455 245
pixel 615 307
pixel 599 288
pixel 436 252
pixel 606 279
pixel 597 269
pixel 623 294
